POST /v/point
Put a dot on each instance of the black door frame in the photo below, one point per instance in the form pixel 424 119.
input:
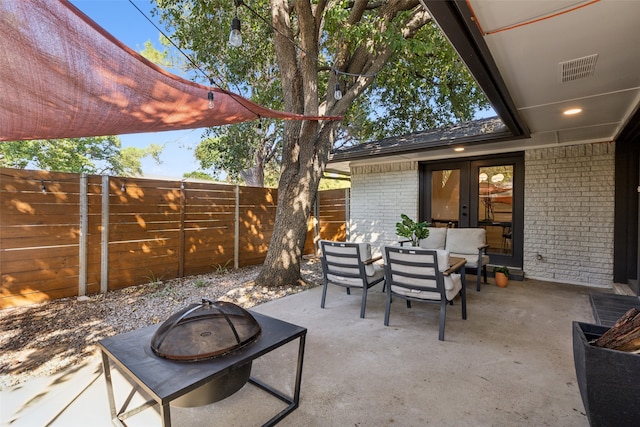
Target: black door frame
pixel 469 168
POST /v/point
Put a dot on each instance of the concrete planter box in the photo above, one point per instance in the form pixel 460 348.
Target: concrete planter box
pixel 609 380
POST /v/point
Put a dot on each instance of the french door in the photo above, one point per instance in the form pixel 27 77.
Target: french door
pixel 483 192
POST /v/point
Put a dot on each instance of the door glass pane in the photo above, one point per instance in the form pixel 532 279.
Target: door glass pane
pixel 495 212
pixel 445 198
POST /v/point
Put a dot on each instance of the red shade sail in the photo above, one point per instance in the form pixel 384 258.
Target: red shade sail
pixel 63 76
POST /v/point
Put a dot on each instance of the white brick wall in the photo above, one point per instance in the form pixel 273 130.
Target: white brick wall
pixel 379 194
pixel 569 210
pixel 569 214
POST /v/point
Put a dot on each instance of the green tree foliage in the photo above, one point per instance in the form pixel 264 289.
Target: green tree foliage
pixel 199 175
pixel 294 54
pixel 244 151
pixel 94 155
pixel 334 182
pixel 423 85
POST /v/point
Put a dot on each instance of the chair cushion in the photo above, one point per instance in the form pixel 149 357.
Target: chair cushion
pixel 365 254
pixel 436 240
pixel 354 282
pixel 472 259
pixel 452 285
pixel 443 257
pixel 465 240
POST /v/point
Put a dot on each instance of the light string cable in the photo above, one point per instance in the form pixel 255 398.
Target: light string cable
pixel 269 24
pixel 196 66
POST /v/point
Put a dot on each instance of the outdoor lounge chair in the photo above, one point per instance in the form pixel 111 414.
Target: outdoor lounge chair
pixel 415 274
pixel 468 243
pixel 349 265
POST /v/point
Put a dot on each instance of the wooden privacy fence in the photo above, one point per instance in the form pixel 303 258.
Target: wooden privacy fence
pixel 66 234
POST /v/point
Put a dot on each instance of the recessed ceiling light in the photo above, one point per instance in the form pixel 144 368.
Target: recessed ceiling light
pixel 458 149
pixel 572 111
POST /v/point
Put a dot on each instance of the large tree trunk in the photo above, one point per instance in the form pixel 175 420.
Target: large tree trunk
pixel 297 189
pixel 253 176
pixel 306 145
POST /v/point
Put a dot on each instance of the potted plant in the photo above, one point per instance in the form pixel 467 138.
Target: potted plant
pixel 502 276
pixel 412 230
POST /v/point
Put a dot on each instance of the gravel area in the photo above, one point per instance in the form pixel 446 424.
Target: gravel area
pixel 42 339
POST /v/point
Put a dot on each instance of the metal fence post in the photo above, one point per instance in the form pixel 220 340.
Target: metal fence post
pixel 82 243
pixel 236 231
pixel 347 214
pixel 104 237
pixel 316 223
pixel 183 207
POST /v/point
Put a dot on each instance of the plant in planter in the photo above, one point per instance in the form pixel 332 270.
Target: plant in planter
pixel 502 276
pixel 412 230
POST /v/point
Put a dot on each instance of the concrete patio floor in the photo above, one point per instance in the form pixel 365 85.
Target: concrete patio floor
pixel 509 364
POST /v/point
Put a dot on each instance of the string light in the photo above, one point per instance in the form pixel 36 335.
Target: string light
pixel 235 37
pixel 337 93
pixel 260 130
pixel 43 187
pixel 123 187
pixel 191 60
pixel 210 95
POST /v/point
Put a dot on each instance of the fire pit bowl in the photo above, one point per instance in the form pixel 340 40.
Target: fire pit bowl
pixel 204 331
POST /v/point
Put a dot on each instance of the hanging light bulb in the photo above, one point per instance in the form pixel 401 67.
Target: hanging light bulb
pixel 260 130
pixel 43 187
pixel 235 37
pixel 210 95
pixel 337 94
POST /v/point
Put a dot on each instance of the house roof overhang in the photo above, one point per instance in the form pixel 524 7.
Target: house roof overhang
pixel 522 54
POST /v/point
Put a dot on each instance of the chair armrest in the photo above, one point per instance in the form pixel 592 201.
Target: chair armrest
pixel 372 260
pixel 457 264
pixel 402 242
pixel 483 247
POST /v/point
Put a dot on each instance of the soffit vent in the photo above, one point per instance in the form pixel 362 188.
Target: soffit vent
pixel 577 68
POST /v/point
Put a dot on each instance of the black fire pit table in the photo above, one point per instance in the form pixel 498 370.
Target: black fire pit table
pixel 166 380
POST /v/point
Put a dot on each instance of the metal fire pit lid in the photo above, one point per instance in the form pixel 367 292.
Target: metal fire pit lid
pixel 203 331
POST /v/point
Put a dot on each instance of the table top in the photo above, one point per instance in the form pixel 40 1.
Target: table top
pixel 166 379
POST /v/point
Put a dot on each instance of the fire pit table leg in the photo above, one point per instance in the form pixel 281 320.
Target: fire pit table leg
pixel 292 401
pixel 107 377
pixel 165 413
pixel 296 395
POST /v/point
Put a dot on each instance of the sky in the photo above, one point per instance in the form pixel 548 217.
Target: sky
pixel 127 24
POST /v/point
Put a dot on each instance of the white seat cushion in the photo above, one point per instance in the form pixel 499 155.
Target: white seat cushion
pixel 452 285
pixel 472 259
pixel 443 257
pixel 436 240
pixel 365 254
pixel 353 282
pixel 465 241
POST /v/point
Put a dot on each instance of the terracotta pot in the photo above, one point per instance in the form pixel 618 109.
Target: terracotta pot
pixel 502 280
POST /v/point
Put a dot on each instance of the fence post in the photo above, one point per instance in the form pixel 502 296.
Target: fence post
pixel 347 214
pixel 316 223
pixel 82 243
pixel 236 231
pixel 104 237
pixel 183 203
